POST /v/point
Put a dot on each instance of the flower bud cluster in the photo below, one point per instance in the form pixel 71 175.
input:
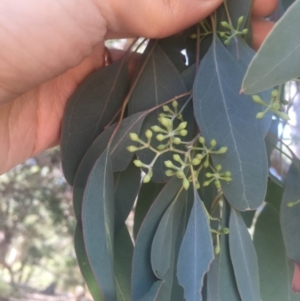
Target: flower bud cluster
pixel 274 106
pixel 185 164
pixel 232 32
pixel 216 176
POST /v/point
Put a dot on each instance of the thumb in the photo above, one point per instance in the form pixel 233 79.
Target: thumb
pixel 155 18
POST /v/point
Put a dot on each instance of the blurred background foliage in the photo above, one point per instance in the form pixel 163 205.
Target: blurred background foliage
pixel 36 227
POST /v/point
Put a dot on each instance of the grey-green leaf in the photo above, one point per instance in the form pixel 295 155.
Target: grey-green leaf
pixel 84 265
pixel 244 258
pixel 89 110
pixel 275 269
pixel 98 224
pixel 196 252
pixel 277 60
pixel 289 216
pixel 142 275
pixel 120 157
pixel 159 82
pixel 123 252
pixel 127 184
pixel 221 115
pixel 221 283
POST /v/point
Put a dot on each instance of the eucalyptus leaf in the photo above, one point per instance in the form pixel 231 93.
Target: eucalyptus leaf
pixel 289 214
pixel 127 184
pixel 274 194
pixel 146 197
pixel 120 156
pixel 275 269
pixel 98 224
pixel 89 110
pixel 283 42
pixel 84 265
pixel 123 252
pixel 159 82
pixel 244 258
pixel 221 283
pixel 220 114
pixel 165 237
pixel 153 293
pixel 142 275
pixel 196 252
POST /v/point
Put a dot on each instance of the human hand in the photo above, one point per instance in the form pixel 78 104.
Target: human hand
pixel 49 47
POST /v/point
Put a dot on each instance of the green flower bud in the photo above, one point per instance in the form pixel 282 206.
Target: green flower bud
pixel 257 99
pixel 160 137
pixel 149 134
pixel 222 34
pixel 274 93
pixel 183 133
pixel 206 163
pixel 138 163
pixel 193 36
pixel 209 175
pixel 166 108
pixel 196 161
pixel 156 128
pixel 169 164
pixel 185 183
pixel 169 173
pixel 181 126
pixel 217 249
pixel 245 31
pixel 213 143
pixel 225 230
pixel 179 116
pixel 198 185
pixel 260 115
pixel 284 102
pixel 227 174
pixel 199 156
pixel 180 174
pixel 283 115
pixel 167 123
pixel 226 42
pixel 206 183
pixel 225 24
pixel 240 21
pixel 177 158
pixel 223 150
pixel 174 104
pixel 176 140
pixel 147 178
pixel 217 184
pixel 218 167
pixel 202 140
pixel 132 148
pixel 162 147
pixel 134 137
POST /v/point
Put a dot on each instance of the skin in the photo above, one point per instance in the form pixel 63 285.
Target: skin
pixel 49 47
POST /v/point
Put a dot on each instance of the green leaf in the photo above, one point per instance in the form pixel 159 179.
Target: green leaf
pixel 159 82
pixel 147 195
pixel 165 237
pixel 220 114
pixel 289 216
pixel 271 139
pixel 98 224
pixel 142 275
pixel 127 184
pixel 265 70
pixel 153 293
pixel 167 271
pixel 275 270
pixel 119 155
pixel 84 265
pixel 196 252
pixel 248 217
pixel 123 252
pixel 89 110
pixel 244 259
pixel 221 283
